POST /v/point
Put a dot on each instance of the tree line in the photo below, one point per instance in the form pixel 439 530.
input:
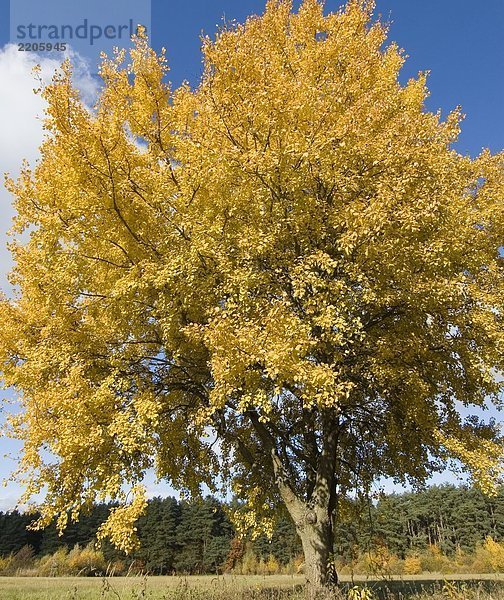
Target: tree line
pixel 179 536
pixel 452 518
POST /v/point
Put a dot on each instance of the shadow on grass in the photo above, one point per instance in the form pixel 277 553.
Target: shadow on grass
pixel 381 590
pixel 449 588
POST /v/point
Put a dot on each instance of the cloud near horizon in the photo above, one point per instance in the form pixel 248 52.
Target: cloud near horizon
pixel 21 121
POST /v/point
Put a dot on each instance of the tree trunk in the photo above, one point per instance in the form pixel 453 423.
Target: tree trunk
pixel 317 540
pixel 314 516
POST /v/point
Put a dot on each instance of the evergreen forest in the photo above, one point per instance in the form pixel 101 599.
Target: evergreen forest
pixel 435 530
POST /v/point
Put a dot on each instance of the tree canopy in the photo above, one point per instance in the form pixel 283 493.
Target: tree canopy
pixel 285 279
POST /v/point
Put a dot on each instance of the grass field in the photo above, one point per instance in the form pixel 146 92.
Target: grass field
pixel 282 587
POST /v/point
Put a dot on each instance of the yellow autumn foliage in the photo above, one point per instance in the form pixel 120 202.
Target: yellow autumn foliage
pixel 286 278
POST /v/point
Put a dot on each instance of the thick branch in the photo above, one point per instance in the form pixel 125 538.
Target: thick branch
pixel 323 497
pixel 294 505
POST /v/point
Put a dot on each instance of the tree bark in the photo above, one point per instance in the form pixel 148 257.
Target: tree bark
pixel 317 540
pixel 313 518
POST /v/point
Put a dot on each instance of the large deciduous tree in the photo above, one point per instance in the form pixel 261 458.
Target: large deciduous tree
pixel 286 279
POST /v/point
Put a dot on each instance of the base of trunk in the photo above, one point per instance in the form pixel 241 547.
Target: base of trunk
pixel 320 571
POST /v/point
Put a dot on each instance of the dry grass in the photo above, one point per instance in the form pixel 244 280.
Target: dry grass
pixel 243 588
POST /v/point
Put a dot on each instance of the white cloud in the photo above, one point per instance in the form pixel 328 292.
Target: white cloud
pixel 21 114
pixel 154 487
pixel 7 502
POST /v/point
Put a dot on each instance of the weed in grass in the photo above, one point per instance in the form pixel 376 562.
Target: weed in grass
pixel 107 589
pixel 239 588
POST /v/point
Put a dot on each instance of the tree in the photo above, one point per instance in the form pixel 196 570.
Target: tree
pixel 286 279
pixel 283 545
pixel 158 534
pixel 204 536
pixel 14 534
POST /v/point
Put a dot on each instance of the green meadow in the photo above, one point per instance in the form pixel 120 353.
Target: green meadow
pixel 254 587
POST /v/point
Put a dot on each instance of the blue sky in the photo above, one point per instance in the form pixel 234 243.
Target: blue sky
pixel 460 43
